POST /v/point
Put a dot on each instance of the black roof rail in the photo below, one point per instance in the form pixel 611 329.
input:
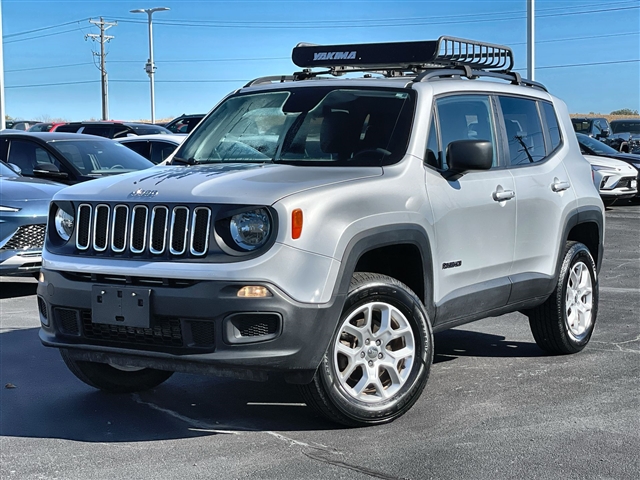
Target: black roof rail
pixel 270 79
pixel 466 71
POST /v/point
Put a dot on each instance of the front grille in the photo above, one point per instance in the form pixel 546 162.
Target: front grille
pixel 26 237
pixel 164 332
pixel 140 229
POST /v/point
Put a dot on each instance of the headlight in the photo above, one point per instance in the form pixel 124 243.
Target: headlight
pixel 250 230
pixel 64 224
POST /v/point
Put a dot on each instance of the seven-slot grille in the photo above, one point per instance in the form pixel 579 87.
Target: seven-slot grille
pixel 142 228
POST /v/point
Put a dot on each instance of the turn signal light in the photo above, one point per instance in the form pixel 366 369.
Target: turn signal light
pixel 296 223
pixel 254 291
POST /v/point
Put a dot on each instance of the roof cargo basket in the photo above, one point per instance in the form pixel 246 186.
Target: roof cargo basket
pixel 405 56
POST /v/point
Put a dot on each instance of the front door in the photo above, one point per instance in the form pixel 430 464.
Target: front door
pixel 474 214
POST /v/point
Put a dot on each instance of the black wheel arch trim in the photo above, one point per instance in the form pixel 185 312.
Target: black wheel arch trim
pixel 581 215
pixel 384 236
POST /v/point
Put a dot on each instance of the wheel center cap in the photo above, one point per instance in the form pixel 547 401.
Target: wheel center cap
pixel 372 352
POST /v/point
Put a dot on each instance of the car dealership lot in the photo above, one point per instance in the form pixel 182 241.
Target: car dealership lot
pixel 495 406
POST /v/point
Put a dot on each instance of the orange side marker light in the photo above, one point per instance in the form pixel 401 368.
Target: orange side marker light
pixel 296 223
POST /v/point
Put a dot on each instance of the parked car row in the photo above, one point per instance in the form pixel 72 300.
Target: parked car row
pixel 623 135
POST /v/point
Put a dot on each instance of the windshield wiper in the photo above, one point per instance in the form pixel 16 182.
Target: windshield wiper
pixel 183 161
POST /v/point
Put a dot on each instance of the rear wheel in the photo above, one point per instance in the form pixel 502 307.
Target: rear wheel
pixel 565 322
pixel 114 379
pixel 378 362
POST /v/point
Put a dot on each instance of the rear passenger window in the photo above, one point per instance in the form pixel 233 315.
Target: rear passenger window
pixel 464 117
pixel 524 130
pixel 552 125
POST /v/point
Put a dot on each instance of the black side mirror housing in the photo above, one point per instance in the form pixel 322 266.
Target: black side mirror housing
pixel 463 155
pixel 48 170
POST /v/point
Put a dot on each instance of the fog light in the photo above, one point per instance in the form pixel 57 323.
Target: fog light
pixel 254 291
pixel 41 277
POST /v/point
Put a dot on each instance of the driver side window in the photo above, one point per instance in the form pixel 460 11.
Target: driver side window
pixel 460 117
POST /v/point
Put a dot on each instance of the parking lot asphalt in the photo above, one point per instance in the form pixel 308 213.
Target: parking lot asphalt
pixel 496 406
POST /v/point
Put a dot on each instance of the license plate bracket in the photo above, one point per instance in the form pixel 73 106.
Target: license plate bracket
pixel 123 306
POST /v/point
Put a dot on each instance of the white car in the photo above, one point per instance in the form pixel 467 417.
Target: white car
pixel 615 179
pixel 156 148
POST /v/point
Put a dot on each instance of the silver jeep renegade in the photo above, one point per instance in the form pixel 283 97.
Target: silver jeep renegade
pixel 321 229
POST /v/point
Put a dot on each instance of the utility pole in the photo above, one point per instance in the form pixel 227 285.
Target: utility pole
pixel 104 26
pixel 531 40
pixel 2 120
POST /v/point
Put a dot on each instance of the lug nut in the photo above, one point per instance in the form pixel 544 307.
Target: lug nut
pixel 371 363
pixel 362 354
pixel 380 355
pixel 367 341
pixel 378 342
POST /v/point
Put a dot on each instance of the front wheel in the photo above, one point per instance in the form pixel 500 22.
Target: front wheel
pixel 565 322
pixel 114 380
pixel 378 361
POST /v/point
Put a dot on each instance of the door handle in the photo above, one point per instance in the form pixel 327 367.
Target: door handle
pixel 559 186
pixel 502 195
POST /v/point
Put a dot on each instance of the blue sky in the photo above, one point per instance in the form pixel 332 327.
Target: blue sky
pixel 587 51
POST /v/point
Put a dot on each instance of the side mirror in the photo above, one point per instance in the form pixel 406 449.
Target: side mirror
pixel 463 155
pixel 605 132
pixel 48 170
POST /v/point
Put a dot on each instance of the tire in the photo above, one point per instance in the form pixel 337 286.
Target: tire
pixel 564 323
pixel 114 380
pixel 373 371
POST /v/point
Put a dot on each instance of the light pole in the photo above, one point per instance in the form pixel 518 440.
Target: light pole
pixel 150 66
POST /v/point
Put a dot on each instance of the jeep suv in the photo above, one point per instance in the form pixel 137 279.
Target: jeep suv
pixel 322 229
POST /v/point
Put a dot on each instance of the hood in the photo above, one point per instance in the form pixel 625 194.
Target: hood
pixel 259 184
pixel 625 157
pixel 17 190
pixel 617 165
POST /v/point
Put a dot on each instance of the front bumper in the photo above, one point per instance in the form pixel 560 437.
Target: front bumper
pixel 20 262
pixel 195 327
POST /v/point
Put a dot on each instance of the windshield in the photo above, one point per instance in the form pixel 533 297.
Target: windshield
pixel 6 171
pixel 581 126
pixel 148 129
pixel 305 126
pixel 595 146
pixel 622 127
pixel 100 157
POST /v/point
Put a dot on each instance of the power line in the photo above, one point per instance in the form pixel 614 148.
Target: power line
pixel 48 67
pixel 369 23
pixel 335 22
pixel 11 35
pixel 53 84
pixel 577 38
pixel 44 35
pixel 592 64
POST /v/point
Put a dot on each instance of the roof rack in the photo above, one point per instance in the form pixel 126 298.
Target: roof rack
pixel 445 57
pixel 405 56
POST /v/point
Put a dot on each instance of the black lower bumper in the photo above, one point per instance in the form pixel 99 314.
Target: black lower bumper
pixel 195 327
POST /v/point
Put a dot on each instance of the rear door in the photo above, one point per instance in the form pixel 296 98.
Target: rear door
pixel 544 192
